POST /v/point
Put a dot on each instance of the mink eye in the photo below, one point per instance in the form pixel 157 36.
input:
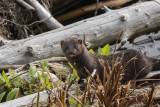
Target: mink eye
pixel 76 48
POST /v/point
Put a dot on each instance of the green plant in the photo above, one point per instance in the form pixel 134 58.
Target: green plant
pixel 73 75
pixel 73 103
pixel 2 95
pixel 42 80
pixel 103 51
pixel 17 86
pixel 12 92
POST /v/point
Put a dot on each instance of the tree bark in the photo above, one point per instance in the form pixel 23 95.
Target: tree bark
pixel 138 19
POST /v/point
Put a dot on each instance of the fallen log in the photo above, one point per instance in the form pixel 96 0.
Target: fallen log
pixel 26 5
pixel 90 8
pixel 49 60
pixel 135 20
pixel 43 14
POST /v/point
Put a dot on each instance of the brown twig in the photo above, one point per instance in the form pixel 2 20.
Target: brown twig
pixel 36 22
pixel 71 95
pixel 139 80
pixel 151 96
pixel 144 69
pixel 116 47
pixel 26 5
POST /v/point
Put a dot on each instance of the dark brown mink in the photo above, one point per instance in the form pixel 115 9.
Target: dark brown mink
pixel 77 54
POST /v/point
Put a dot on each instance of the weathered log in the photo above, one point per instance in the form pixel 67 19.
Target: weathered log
pixel 90 8
pixel 26 5
pixel 135 20
pixel 43 14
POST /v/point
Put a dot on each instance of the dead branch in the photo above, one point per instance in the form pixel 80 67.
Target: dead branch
pixel 43 14
pixel 26 5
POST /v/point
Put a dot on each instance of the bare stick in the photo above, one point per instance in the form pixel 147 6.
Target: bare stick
pixel 43 14
pixel 26 5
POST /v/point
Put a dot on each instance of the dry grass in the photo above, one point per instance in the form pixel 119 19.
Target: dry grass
pixel 110 93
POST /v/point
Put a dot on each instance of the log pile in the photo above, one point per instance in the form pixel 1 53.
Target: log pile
pixel 134 20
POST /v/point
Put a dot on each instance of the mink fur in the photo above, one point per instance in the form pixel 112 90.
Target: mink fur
pixel 77 54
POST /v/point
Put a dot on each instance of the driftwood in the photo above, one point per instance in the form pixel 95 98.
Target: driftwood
pixel 45 15
pixel 90 8
pixel 149 38
pixel 49 60
pixel 135 20
pixel 26 5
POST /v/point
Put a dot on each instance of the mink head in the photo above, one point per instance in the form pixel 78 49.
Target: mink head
pixel 72 47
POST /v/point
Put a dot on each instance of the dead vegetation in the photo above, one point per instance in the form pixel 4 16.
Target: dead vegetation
pixel 14 20
pixel 110 93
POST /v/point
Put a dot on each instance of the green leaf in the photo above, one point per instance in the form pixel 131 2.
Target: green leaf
pixel 1 79
pixel 44 64
pixel 71 77
pixel 31 92
pixel 74 70
pixel 17 80
pixel 99 50
pixel 73 103
pixel 49 86
pixel 5 77
pixel 32 70
pixel 29 85
pixel 2 95
pixel 12 73
pixel 91 51
pixel 39 76
pixel 26 93
pixel 87 103
pixel 70 65
pixel 6 80
pixel 106 50
pixel 77 91
pixel 48 83
pixel 11 95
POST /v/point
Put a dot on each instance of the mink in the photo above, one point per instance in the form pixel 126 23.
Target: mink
pixel 78 55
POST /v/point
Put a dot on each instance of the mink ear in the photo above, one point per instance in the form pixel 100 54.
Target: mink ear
pixel 62 42
pixel 80 41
